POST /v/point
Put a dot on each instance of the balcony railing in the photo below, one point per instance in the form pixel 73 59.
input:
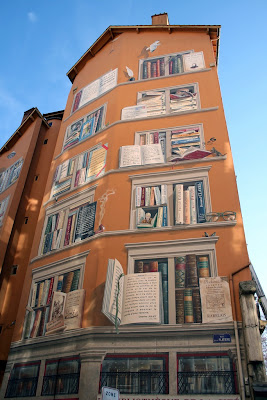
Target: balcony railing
pixel 207 382
pixel 25 387
pixel 60 384
pixel 145 382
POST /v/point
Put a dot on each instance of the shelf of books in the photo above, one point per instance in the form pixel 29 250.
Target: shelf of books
pixel 188 270
pixel 39 309
pixel 157 265
pixel 170 64
pixel 151 204
pixel 189 203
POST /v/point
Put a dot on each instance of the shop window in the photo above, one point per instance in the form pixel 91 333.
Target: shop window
pixel 23 380
pixel 136 374
pixel 61 376
pixel 206 374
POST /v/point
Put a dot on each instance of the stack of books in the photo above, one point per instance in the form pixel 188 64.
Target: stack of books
pixel 155 102
pixel 184 99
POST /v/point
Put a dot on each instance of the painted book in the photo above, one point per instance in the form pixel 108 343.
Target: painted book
pixel 140 155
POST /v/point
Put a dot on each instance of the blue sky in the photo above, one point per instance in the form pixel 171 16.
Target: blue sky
pixel 41 41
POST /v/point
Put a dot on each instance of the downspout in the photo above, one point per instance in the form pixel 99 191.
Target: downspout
pixel 242 387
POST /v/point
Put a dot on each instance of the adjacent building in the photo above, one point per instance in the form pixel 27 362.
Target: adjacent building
pixel 135 242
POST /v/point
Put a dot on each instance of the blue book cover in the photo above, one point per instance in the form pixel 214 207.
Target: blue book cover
pixel 191 139
pixel 200 200
pixel 165 218
pixel 87 128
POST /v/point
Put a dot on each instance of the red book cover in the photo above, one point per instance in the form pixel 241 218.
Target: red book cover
pixel 170 67
pixel 143 197
pixel 50 291
pixel 153 70
pixel 146 268
pixel 77 178
pixel 67 236
pixel 153 266
pixel 156 137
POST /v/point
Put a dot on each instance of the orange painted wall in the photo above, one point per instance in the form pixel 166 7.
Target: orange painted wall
pixel 231 248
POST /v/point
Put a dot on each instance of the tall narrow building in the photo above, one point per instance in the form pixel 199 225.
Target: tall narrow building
pixel 138 277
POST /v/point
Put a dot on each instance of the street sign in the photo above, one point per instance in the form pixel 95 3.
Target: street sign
pixel 109 393
pixel 224 338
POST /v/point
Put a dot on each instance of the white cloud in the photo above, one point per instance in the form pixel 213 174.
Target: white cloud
pixel 32 16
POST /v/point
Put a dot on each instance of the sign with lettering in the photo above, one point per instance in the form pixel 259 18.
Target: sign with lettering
pixel 109 393
pixel 225 338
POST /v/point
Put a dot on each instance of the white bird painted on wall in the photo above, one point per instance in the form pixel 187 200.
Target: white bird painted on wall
pixel 153 46
pixel 129 72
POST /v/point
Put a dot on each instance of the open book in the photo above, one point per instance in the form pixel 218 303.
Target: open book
pixel 141 155
pixel 139 296
pixel 66 311
pixel 191 153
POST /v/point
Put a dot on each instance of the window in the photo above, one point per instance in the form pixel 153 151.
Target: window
pixel 80 170
pixel 65 276
pixel 136 374
pixel 11 155
pixel 69 221
pixel 181 263
pixel 165 101
pixel 26 219
pixel 206 374
pixel 84 127
pixel 3 207
pixel 61 376
pixel 173 141
pixel 170 64
pixel 10 175
pixel 176 198
pixel 36 177
pixel 23 380
pixel 14 270
pixel 45 141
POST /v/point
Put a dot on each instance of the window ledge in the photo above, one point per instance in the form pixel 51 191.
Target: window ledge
pixel 205 225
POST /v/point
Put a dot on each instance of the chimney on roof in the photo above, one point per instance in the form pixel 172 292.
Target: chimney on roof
pixel 160 19
pixel 27 113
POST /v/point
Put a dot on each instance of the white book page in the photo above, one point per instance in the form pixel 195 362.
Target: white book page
pixel 152 154
pixel 74 309
pixel 130 155
pixel 141 299
pixel 118 270
pixel 133 112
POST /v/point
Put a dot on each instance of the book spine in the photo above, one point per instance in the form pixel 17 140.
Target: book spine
pixel 45 292
pixel 160 217
pixel 156 137
pixel 68 229
pixel 153 266
pixel 191 271
pixel 153 69
pixel 193 211
pixel 47 312
pixel 140 215
pixel 175 65
pixel 36 324
pixel 158 68
pixel 180 272
pixel 67 282
pixel 188 306
pixel 50 291
pixel 162 142
pixel 152 196
pixel 162 67
pixel 142 140
pixel 200 202
pixel 41 324
pixel 179 204
pixel 139 267
pixel 37 294
pixel 143 196
pixel 77 177
pixel 146 267
pixel 147 196
pixel 33 299
pixel 71 239
pixel 179 305
pixel 28 325
pixel 180 65
pixel 48 225
pixel 40 294
pixel 196 306
pixel 157 195
pixel 186 207
pixel 138 194
pixel 170 67
pixel 164 194
pixel 149 69
pixel 144 70
pixel 165 216
pixel 75 280
pixel 60 283
pixel 203 266
pixel 163 268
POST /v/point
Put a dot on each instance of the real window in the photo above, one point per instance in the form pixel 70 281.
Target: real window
pixel 23 380
pixel 65 276
pixel 10 175
pixel 69 221
pixel 136 374
pixel 80 170
pixel 181 263
pixel 61 376
pixel 170 64
pixel 177 198
pixel 85 127
pixel 14 270
pixel 205 373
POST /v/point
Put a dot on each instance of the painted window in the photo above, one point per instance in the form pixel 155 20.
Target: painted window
pixel 136 374
pixel 10 175
pixel 61 376
pixel 204 373
pixel 23 380
pixel 3 207
pixel 84 127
